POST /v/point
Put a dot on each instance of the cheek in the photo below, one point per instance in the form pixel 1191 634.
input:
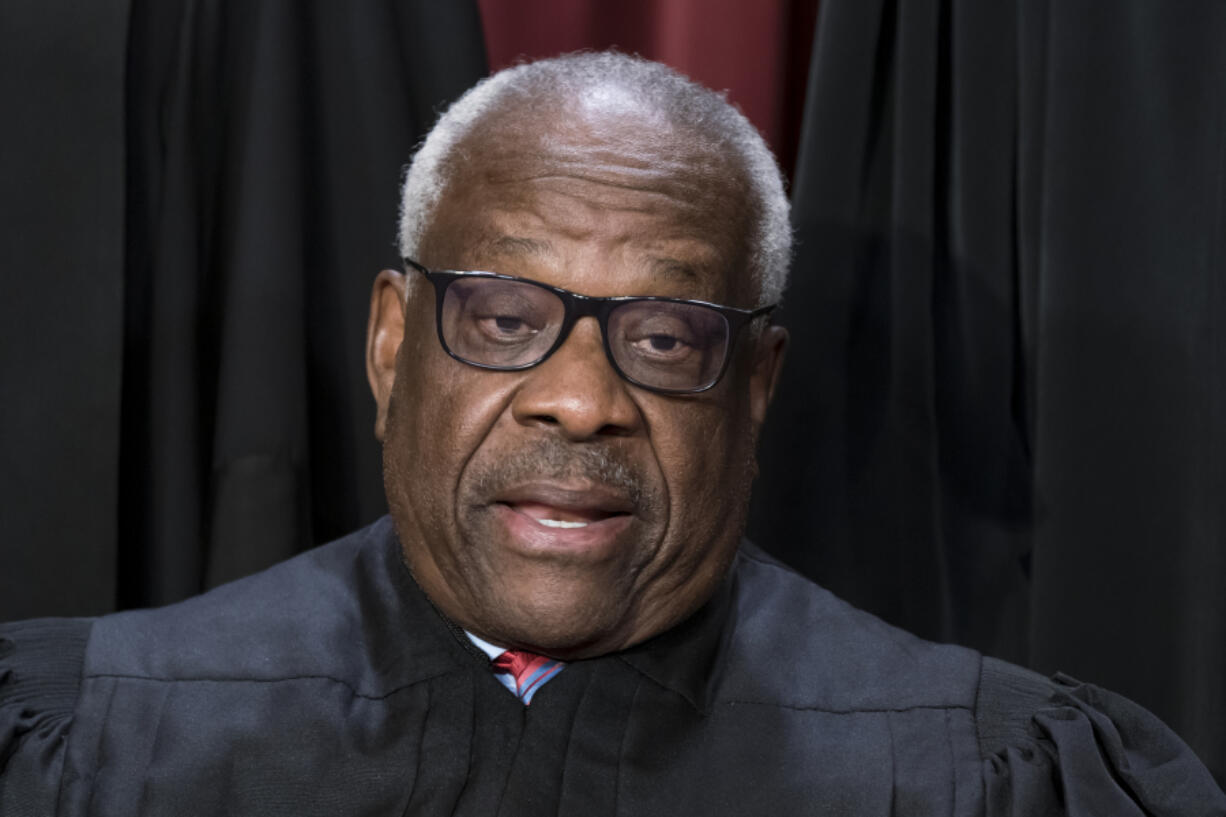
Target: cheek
pixel 701 452
pixel 441 412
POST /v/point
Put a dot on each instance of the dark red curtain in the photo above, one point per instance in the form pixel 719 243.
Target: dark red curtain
pixel 758 52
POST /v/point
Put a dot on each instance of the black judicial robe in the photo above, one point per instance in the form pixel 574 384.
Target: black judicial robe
pixel 328 685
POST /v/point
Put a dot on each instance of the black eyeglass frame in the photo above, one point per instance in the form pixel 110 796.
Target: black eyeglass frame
pixel 576 306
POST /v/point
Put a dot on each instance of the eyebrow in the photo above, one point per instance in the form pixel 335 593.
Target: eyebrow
pixel 672 268
pixel 515 246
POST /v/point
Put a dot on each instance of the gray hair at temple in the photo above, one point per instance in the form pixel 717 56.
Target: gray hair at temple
pixel 658 88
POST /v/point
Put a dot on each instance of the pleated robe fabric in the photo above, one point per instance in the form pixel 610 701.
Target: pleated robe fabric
pixel 329 685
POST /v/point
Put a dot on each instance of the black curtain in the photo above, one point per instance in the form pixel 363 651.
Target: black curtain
pixel 61 302
pixel 1003 420
pixel 199 194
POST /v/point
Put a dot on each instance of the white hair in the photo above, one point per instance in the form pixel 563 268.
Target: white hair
pixel 612 79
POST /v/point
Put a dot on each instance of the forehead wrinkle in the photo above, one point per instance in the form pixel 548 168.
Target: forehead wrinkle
pixel 512 246
pixel 684 175
pixel 516 247
pixel 659 262
pixel 571 206
pixel 646 180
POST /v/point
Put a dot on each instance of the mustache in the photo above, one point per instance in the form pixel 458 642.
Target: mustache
pixel 553 460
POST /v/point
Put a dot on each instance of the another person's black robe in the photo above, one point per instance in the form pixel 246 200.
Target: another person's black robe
pixel 329 685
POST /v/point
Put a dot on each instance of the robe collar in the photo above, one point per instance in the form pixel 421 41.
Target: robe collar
pixel 685 659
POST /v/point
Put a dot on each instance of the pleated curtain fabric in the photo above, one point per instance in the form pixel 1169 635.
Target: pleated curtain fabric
pixel 61 302
pixel 1003 420
pixel 209 188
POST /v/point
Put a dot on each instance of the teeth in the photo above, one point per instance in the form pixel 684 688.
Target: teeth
pixel 558 523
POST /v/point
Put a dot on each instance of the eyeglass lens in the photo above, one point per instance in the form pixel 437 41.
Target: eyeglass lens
pixel 509 324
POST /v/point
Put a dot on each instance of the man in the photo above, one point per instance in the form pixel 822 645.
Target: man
pixel 560 617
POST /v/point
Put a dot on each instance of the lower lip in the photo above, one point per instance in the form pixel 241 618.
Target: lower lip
pixel 595 539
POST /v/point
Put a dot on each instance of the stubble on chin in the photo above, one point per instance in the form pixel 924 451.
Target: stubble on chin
pixel 554 604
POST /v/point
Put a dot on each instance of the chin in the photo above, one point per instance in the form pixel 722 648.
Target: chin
pixel 567 627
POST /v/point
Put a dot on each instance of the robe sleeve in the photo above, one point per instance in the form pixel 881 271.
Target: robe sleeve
pixel 1060 747
pixel 40 678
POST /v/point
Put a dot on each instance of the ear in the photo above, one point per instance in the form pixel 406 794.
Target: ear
pixel 384 332
pixel 764 376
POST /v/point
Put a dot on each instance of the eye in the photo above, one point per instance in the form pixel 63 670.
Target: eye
pixel 498 322
pixel 662 343
pixel 499 313
pixel 509 324
pixel 667 342
pixel 660 340
pixel 506 328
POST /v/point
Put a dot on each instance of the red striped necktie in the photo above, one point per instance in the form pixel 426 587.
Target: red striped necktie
pixel 529 670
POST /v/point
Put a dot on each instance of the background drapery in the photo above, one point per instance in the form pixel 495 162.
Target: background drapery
pixel 197 195
pixel 1001 422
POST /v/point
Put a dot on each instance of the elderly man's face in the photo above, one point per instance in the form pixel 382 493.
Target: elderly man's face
pixel 561 509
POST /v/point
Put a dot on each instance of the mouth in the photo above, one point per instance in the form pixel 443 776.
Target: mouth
pixel 568 517
pixel 547 517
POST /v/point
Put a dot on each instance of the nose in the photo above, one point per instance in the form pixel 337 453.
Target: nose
pixel 577 390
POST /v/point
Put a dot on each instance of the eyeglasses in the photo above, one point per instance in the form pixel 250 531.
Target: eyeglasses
pixel 501 322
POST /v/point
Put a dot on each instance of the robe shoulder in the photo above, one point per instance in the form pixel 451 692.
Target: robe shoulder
pixel 40 680
pixel 334 613
pixel 1059 746
pixel 824 654
pixel 321 615
pixel 1044 745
